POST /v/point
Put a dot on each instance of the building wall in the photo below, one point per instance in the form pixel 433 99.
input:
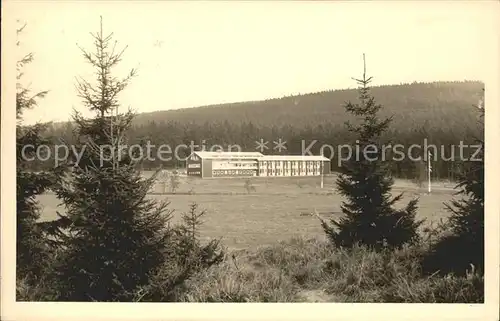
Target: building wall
pixel 206 168
pixel 234 172
pixel 292 168
pixel 234 168
pixel 255 167
pixel 229 164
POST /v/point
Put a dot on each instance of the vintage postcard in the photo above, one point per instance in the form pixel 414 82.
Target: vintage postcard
pixel 191 154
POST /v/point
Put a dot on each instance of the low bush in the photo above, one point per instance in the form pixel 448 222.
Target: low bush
pixel 298 270
pixel 313 270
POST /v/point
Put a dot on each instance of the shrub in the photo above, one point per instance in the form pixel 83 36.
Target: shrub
pixel 174 181
pixel 249 187
pixel 185 257
pixel 313 270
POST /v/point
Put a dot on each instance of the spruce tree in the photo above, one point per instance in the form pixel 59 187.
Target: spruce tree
pixel 115 240
pixel 31 246
pixel 463 245
pixel 365 181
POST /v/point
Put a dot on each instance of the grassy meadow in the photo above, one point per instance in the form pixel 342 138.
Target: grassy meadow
pixel 277 251
pixel 278 209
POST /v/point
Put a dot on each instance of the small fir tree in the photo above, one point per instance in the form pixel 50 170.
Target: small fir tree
pixel 174 181
pixel 189 243
pixel 249 187
pixel 369 214
pixel 185 256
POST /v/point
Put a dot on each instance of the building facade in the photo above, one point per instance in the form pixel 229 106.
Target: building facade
pixel 248 164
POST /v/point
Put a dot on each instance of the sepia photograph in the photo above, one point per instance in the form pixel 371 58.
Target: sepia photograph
pixel 251 152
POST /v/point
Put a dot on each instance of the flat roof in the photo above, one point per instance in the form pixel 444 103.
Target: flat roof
pixel 227 155
pixel 294 158
pixel 258 156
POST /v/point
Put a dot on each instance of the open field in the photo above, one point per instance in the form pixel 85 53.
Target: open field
pixel 279 209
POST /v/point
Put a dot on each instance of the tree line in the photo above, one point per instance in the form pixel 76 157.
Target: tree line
pixel 454 128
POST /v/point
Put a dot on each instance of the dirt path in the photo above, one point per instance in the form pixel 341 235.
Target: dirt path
pixel 315 296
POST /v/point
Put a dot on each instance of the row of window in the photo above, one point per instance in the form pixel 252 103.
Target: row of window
pixel 243 165
pixel 293 172
pixel 233 172
pixel 225 165
pixel 291 164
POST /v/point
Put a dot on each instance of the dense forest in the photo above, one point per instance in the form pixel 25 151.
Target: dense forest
pixel 440 112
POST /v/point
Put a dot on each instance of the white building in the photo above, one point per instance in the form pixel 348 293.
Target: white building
pixel 247 164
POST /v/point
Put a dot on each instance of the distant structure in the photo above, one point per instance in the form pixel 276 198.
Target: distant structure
pixel 247 164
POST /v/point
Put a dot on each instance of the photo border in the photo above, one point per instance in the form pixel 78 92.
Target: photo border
pixel 12 310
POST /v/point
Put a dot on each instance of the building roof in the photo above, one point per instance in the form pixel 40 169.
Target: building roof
pixel 228 155
pixel 256 155
pixel 293 158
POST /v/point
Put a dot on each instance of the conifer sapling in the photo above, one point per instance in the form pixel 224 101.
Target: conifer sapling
pixel 365 181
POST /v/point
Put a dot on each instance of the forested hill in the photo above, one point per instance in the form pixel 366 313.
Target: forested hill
pixel 447 103
pixel 441 113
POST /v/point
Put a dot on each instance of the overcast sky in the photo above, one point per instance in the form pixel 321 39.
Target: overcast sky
pixel 197 53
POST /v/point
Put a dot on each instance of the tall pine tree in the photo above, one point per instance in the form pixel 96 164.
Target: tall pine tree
pixel 31 248
pixel 369 214
pixel 115 240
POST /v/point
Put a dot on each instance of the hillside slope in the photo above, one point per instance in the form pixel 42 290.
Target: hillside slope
pixel 439 113
pixel 417 102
